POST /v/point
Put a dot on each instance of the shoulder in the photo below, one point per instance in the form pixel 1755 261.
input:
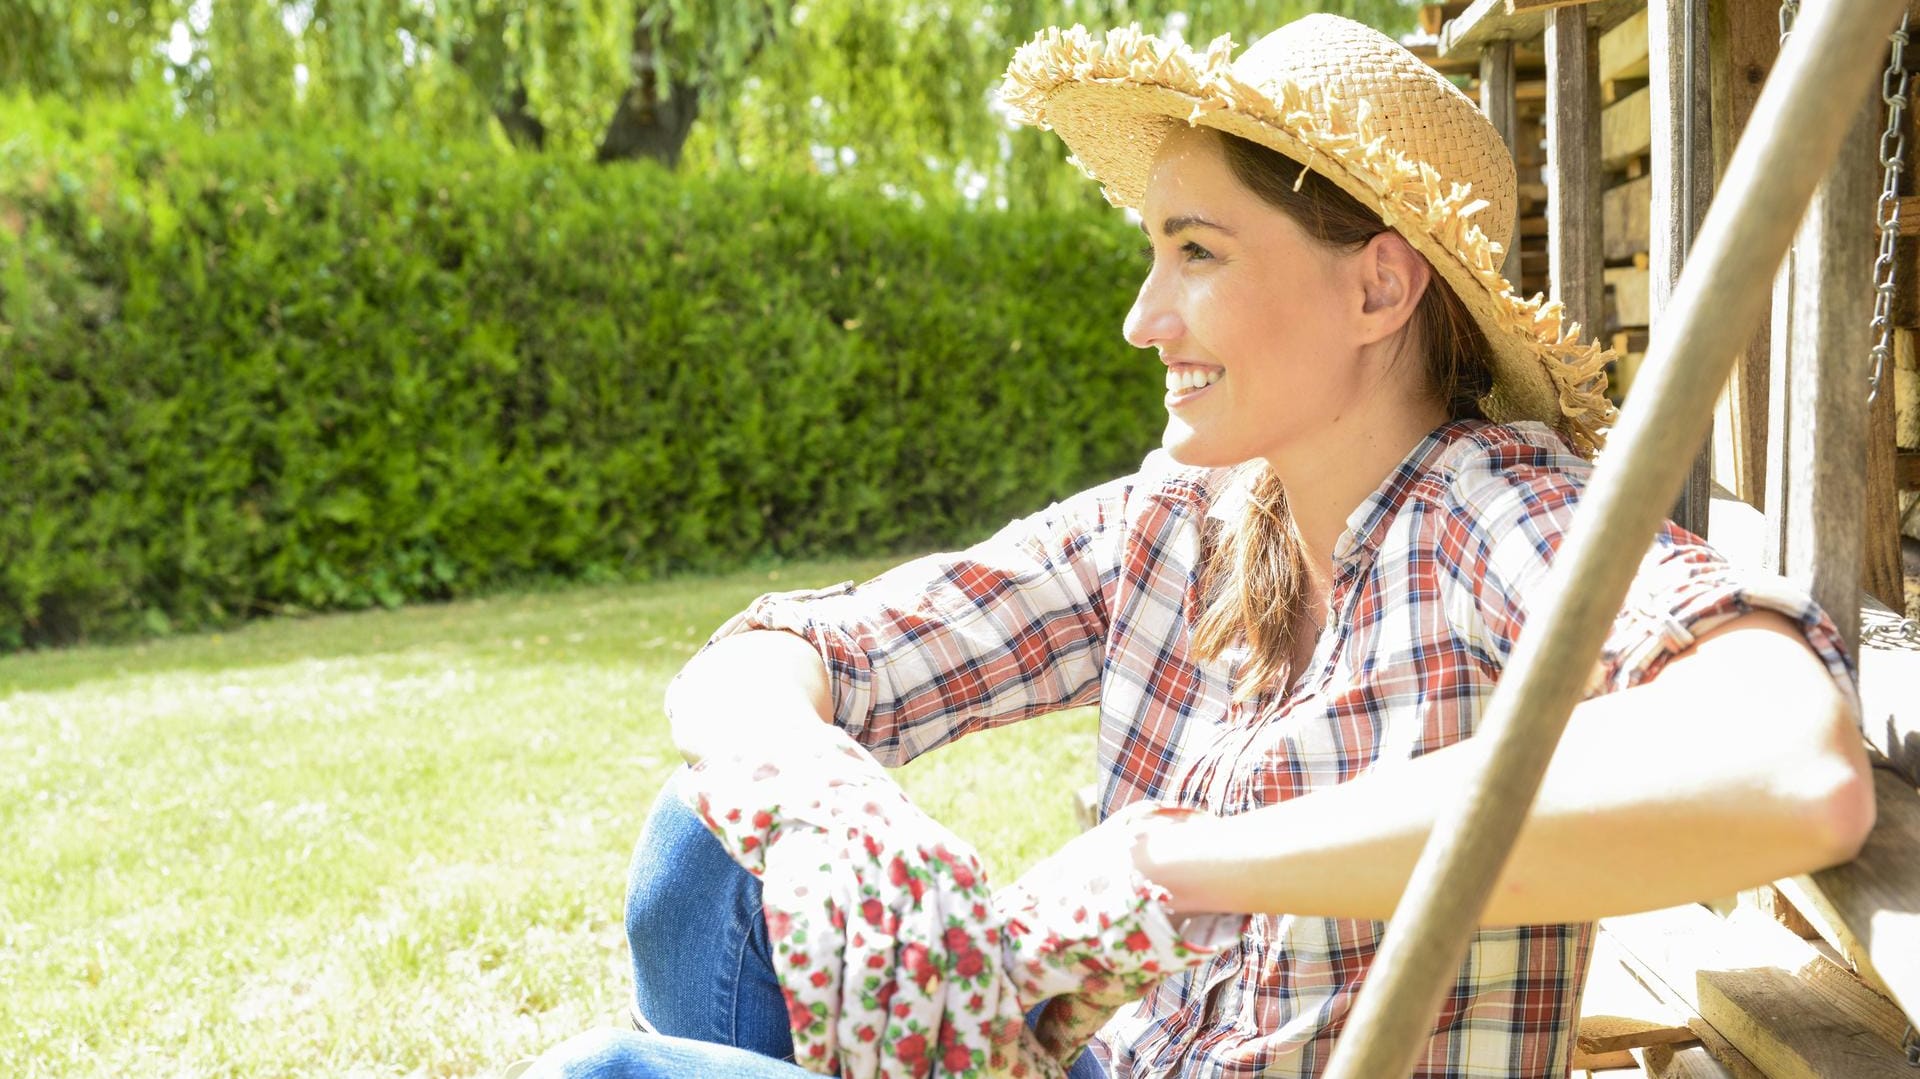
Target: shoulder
pixel 1492 472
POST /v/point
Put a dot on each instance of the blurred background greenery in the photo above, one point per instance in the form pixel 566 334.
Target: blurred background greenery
pixel 885 92
pixel 331 304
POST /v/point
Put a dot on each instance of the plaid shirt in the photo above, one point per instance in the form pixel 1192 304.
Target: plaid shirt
pixel 1089 602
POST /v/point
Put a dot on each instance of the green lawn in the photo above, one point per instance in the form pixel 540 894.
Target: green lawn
pixel 390 843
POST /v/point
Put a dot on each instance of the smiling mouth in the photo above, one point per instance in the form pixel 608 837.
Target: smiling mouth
pixel 1190 380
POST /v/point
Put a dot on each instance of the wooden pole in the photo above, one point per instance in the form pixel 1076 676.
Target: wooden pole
pixel 1747 38
pixel 1790 145
pixel 1573 168
pixel 1679 97
pixel 1497 101
pixel 1817 460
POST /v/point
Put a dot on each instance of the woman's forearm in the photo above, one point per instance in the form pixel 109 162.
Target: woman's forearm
pixel 1740 763
pixel 762 685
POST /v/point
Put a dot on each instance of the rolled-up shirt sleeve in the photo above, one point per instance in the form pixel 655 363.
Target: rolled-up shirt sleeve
pixel 1011 627
pixel 1508 515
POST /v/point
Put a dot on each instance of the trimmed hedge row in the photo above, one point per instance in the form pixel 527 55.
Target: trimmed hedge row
pixel 284 371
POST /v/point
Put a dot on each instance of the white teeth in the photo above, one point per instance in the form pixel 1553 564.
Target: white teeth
pixel 1191 378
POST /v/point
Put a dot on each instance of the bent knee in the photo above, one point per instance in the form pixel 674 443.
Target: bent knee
pixel 679 869
pixel 595 1054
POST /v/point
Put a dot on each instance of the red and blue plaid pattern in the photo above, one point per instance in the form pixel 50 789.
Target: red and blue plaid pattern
pixel 1089 602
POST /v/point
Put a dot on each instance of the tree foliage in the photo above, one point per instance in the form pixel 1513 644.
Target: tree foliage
pixel 262 371
pixel 883 91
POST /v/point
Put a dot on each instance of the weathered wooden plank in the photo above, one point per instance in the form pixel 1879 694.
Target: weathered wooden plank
pixel 1590 1063
pixel 1910 215
pixel 1828 926
pixel 1573 153
pixel 1816 467
pixel 1528 59
pixel 1680 1062
pixel 1623 49
pixel 1906 390
pixel 1767 901
pixel 1786 1008
pixel 1790 1033
pixel 1497 100
pixel 1489 20
pixel 1631 299
pixel 1627 215
pixel 1880 575
pixel 1679 104
pixel 1433 16
pixel 1722 1052
pixel 1600 1035
pixel 1748 40
pixel 1906 470
pixel 1625 130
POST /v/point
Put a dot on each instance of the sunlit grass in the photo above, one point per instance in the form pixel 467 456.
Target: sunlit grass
pixel 390 843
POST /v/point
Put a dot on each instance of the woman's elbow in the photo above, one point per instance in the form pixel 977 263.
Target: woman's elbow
pixel 1838 793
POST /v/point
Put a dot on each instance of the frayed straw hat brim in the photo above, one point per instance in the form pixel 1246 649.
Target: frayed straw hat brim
pixel 1114 101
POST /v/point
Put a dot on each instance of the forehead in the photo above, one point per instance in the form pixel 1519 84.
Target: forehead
pixel 1190 174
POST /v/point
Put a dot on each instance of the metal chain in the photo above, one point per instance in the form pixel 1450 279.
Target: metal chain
pixel 1893 149
pixel 1911 1043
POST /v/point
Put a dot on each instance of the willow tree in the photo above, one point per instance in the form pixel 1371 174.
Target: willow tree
pixel 887 92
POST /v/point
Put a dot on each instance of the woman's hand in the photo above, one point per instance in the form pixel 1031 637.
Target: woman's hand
pixel 1089 931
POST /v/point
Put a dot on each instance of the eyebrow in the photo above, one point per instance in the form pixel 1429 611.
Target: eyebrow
pixel 1182 222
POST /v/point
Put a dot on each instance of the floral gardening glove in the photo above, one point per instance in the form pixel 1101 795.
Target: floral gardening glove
pixel 885 939
pixel 1085 931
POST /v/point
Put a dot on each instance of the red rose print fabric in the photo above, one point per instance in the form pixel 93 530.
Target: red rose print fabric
pixel 895 957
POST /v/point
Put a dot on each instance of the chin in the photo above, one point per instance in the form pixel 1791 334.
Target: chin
pixel 1187 448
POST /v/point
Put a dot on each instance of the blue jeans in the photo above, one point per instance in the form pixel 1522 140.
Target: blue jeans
pixel 702 969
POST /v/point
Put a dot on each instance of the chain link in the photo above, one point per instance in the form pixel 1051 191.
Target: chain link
pixel 1893 150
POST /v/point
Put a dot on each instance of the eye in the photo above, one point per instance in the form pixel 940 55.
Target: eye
pixel 1193 252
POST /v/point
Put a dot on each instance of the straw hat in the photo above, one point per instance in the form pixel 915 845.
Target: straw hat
pixel 1349 103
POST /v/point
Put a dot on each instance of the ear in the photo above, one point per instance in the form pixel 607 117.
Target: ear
pixel 1393 278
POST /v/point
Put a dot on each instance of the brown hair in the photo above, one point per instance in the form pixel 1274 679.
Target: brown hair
pixel 1254 577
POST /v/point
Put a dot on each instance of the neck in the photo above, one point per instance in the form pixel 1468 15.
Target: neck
pixel 1327 479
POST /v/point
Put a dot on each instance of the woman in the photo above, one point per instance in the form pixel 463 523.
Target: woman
pixel 1293 618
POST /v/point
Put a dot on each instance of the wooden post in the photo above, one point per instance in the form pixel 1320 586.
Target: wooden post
pixel 1880 572
pixel 1817 458
pixel 1680 102
pixel 1793 142
pixel 1497 101
pixel 1747 38
pixel 1573 168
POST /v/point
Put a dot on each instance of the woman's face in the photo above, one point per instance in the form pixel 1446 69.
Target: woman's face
pixel 1251 316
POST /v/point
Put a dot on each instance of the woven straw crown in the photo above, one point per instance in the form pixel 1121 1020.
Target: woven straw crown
pixel 1350 103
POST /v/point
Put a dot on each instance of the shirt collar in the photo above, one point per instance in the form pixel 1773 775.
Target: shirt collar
pixel 1367 524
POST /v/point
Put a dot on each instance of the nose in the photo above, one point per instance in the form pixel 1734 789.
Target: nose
pixel 1152 320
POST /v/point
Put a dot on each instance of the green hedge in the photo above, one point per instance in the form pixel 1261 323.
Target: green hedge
pixel 294 371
